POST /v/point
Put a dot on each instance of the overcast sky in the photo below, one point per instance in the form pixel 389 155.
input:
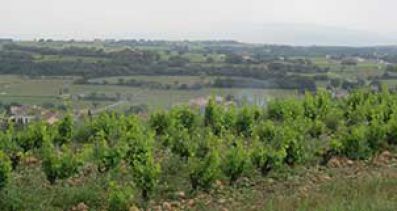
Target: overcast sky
pixel 188 19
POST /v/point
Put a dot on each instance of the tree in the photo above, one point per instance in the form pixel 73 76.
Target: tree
pixel 121 81
pixel 349 62
pixel 336 82
pixel 210 60
pixel 234 59
pixel 177 61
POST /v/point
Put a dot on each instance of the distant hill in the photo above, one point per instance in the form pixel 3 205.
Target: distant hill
pixel 296 34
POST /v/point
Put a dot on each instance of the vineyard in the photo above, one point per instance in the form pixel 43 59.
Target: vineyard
pixel 117 162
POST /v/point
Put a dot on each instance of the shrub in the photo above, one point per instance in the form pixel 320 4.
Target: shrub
pixel 316 129
pixel 352 143
pixel 185 117
pixel 160 122
pixel 266 158
pixel 5 169
pixel 317 106
pixel 334 119
pixel 266 131
pixel 295 151
pixel 111 124
pixel 33 137
pixel 391 133
pixel 291 140
pixel 204 172
pixel 144 168
pixel 229 118
pixel 202 144
pixel 213 117
pixel 59 164
pixel 146 173
pixel 107 157
pixel 83 131
pixel 10 147
pixel 180 142
pixel 284 110
pixel 137 146
pixel 356 108
pixel 65 130
pixel 376 135
pixel 181 145
pixel 235 162
pixel 119 198
pixel 245 121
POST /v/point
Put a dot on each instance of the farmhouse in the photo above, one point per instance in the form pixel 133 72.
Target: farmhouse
pixel 21 114
pixel 24 114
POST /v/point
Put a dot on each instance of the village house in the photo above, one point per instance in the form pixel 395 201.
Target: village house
pixel 21 114
pixel 24 114
pixel 201 102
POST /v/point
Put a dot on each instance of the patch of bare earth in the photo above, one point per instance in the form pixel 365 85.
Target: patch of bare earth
pixel 254 194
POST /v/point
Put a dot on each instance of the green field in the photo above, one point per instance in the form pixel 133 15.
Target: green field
pixel 362 69
pixel 46 90
pixel 40 90
pixel 189 80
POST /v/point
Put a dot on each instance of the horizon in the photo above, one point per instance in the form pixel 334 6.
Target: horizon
pixel 46 39
pixel 287 22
